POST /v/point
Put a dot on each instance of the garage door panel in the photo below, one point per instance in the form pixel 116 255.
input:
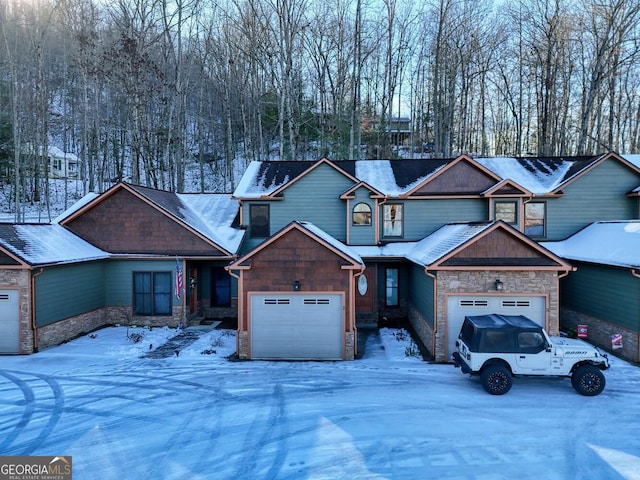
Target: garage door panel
pixel 459 306
pixel 296 326
pixel 9 325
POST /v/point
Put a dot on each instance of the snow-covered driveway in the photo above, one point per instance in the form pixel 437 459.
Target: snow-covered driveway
pixel 386 416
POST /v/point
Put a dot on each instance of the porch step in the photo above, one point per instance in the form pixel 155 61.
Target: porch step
pixel 195 321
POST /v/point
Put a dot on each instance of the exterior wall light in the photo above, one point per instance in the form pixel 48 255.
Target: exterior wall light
pixel 499 285
pixel 296 286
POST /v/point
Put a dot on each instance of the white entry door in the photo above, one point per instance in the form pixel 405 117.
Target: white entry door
pixel 459 306
pixel 9 322
pixel 296 326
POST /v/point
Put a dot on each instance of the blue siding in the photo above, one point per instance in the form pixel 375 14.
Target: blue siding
pixel 421 293
pixel 314 198
pixel 597 195
pixel 69 290
pixel 362 234
pixel 119 279
pixel 423 217
pixel 609 293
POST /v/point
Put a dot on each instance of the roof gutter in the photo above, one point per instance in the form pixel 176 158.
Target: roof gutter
pixel 32 296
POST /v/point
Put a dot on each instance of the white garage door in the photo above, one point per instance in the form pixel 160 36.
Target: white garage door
pixel 296 326
pixel 460 306
pixel 9 332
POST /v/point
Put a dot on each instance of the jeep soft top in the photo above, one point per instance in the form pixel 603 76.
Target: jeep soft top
pixel 499 335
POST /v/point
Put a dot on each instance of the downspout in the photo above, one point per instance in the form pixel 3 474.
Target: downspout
pixel 435 309
pixel 240 305
pixel 377 232
pixel 348 221
pixel 560 276
pixel 32 296
pixel 635 272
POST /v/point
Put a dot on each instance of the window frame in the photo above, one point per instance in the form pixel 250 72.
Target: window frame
pixel 514 203
pixel 367 215
pixel 156 298
pixel 389 290
pixel 544 220
pixel 386 221
pixel 263 230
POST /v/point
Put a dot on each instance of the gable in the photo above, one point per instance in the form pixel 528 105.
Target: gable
pixel 329 170
pixel 8 260
pixel 500 248
pixel 616 172
pixel 123 223
pixel 460 178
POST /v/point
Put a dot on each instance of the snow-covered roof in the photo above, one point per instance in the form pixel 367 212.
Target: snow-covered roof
pixel 536 176
pixel 443 241
pixel 210 214
pixel 615 243
pixel 46 244
pixel 76 206
pixel 430 249
pixel 337 244
pixel 393 178
pixel 635 159
pixel 213 214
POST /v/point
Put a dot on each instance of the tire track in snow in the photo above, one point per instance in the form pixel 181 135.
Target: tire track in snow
pixel 31 401
pixel 260 435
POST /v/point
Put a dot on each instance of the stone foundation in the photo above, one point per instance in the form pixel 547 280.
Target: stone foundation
pixel 422 328
pixel 65 330
pixel 349 346
pixel 60 332
pixel 600 333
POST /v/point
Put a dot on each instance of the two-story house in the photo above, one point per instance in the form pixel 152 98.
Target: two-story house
pixel 303 252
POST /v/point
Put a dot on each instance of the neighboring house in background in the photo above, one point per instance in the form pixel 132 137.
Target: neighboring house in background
pixel 303 252
pixel 62 164
pixel 604 293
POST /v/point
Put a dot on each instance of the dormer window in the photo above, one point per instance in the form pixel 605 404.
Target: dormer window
pixel 361 214
pixel 506 211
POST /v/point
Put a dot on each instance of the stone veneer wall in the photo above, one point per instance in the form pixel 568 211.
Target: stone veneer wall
pixel 243 345
pixel 422 328
pixel 73 327
pixel 600 333
pixel 349 345
pixel 482 283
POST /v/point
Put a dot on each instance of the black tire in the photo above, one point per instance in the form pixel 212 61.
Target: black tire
pixel 588 380
pixel 496 379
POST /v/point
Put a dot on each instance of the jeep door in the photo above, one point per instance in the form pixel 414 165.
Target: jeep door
pixel 532 356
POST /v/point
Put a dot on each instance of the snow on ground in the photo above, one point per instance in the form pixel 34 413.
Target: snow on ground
pixel 385 416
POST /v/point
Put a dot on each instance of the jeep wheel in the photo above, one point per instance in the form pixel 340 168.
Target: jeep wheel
pixel 588 380
pixel 496 379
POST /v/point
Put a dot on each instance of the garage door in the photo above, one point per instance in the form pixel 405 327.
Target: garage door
pixel 296 326
pixel 9 331
pixel 460 306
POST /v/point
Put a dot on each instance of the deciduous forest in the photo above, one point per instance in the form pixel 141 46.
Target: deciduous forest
pixel 146 90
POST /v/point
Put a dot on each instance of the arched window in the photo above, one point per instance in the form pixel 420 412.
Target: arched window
pixel 362 214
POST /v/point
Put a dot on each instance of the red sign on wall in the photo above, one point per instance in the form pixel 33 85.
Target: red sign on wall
pixel 583 331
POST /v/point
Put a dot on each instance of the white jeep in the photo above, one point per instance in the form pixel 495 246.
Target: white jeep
pixel 497 347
